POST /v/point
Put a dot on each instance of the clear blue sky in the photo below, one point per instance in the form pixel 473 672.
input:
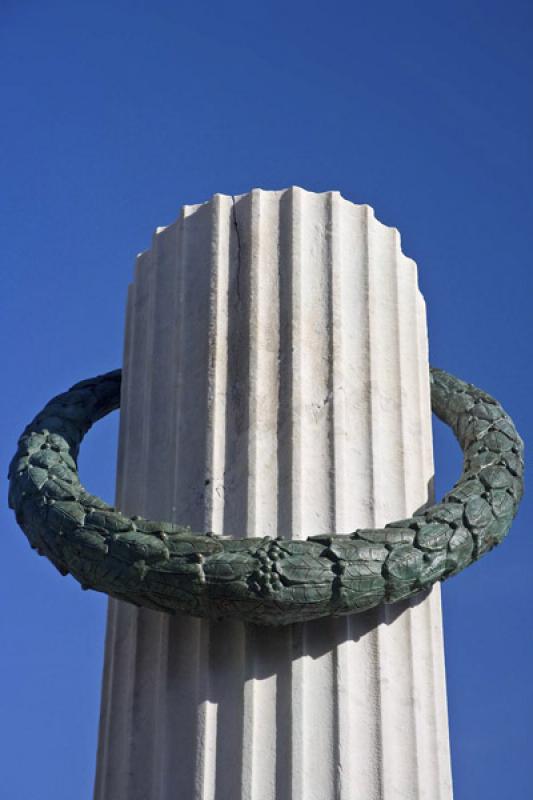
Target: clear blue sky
pixel 116 113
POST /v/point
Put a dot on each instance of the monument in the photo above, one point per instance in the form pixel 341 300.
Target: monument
pixel 275 398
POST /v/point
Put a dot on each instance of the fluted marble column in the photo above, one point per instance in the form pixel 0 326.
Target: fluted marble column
pixel 275 382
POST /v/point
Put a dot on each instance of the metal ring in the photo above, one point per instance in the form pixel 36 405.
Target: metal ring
pixel 266 581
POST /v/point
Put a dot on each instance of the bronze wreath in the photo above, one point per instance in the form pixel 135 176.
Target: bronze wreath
pixel 267 581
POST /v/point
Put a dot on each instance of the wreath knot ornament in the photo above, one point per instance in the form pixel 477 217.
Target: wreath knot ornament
pixel 266 581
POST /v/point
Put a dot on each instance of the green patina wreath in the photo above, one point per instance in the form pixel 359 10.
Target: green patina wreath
pixel 267 581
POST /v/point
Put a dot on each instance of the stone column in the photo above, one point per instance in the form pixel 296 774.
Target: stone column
pixel 275 382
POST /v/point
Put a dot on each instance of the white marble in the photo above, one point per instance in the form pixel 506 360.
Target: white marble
pixel 275 382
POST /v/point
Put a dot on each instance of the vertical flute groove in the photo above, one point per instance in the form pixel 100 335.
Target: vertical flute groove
pixel 298 765
pixel 379 755
pixel 108 681
pixel 135 437
pixel 336 424
pixel 155 496
pixel 147 623
pixel 111 646
pixel 285 781
pixel 406 339
pixel 177 409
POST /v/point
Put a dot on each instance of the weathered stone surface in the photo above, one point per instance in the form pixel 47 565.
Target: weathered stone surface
pixel 262 378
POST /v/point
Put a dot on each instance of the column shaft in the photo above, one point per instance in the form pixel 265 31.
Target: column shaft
pixel 275 383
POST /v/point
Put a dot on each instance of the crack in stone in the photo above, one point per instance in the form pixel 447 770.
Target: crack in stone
pixel 237 233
